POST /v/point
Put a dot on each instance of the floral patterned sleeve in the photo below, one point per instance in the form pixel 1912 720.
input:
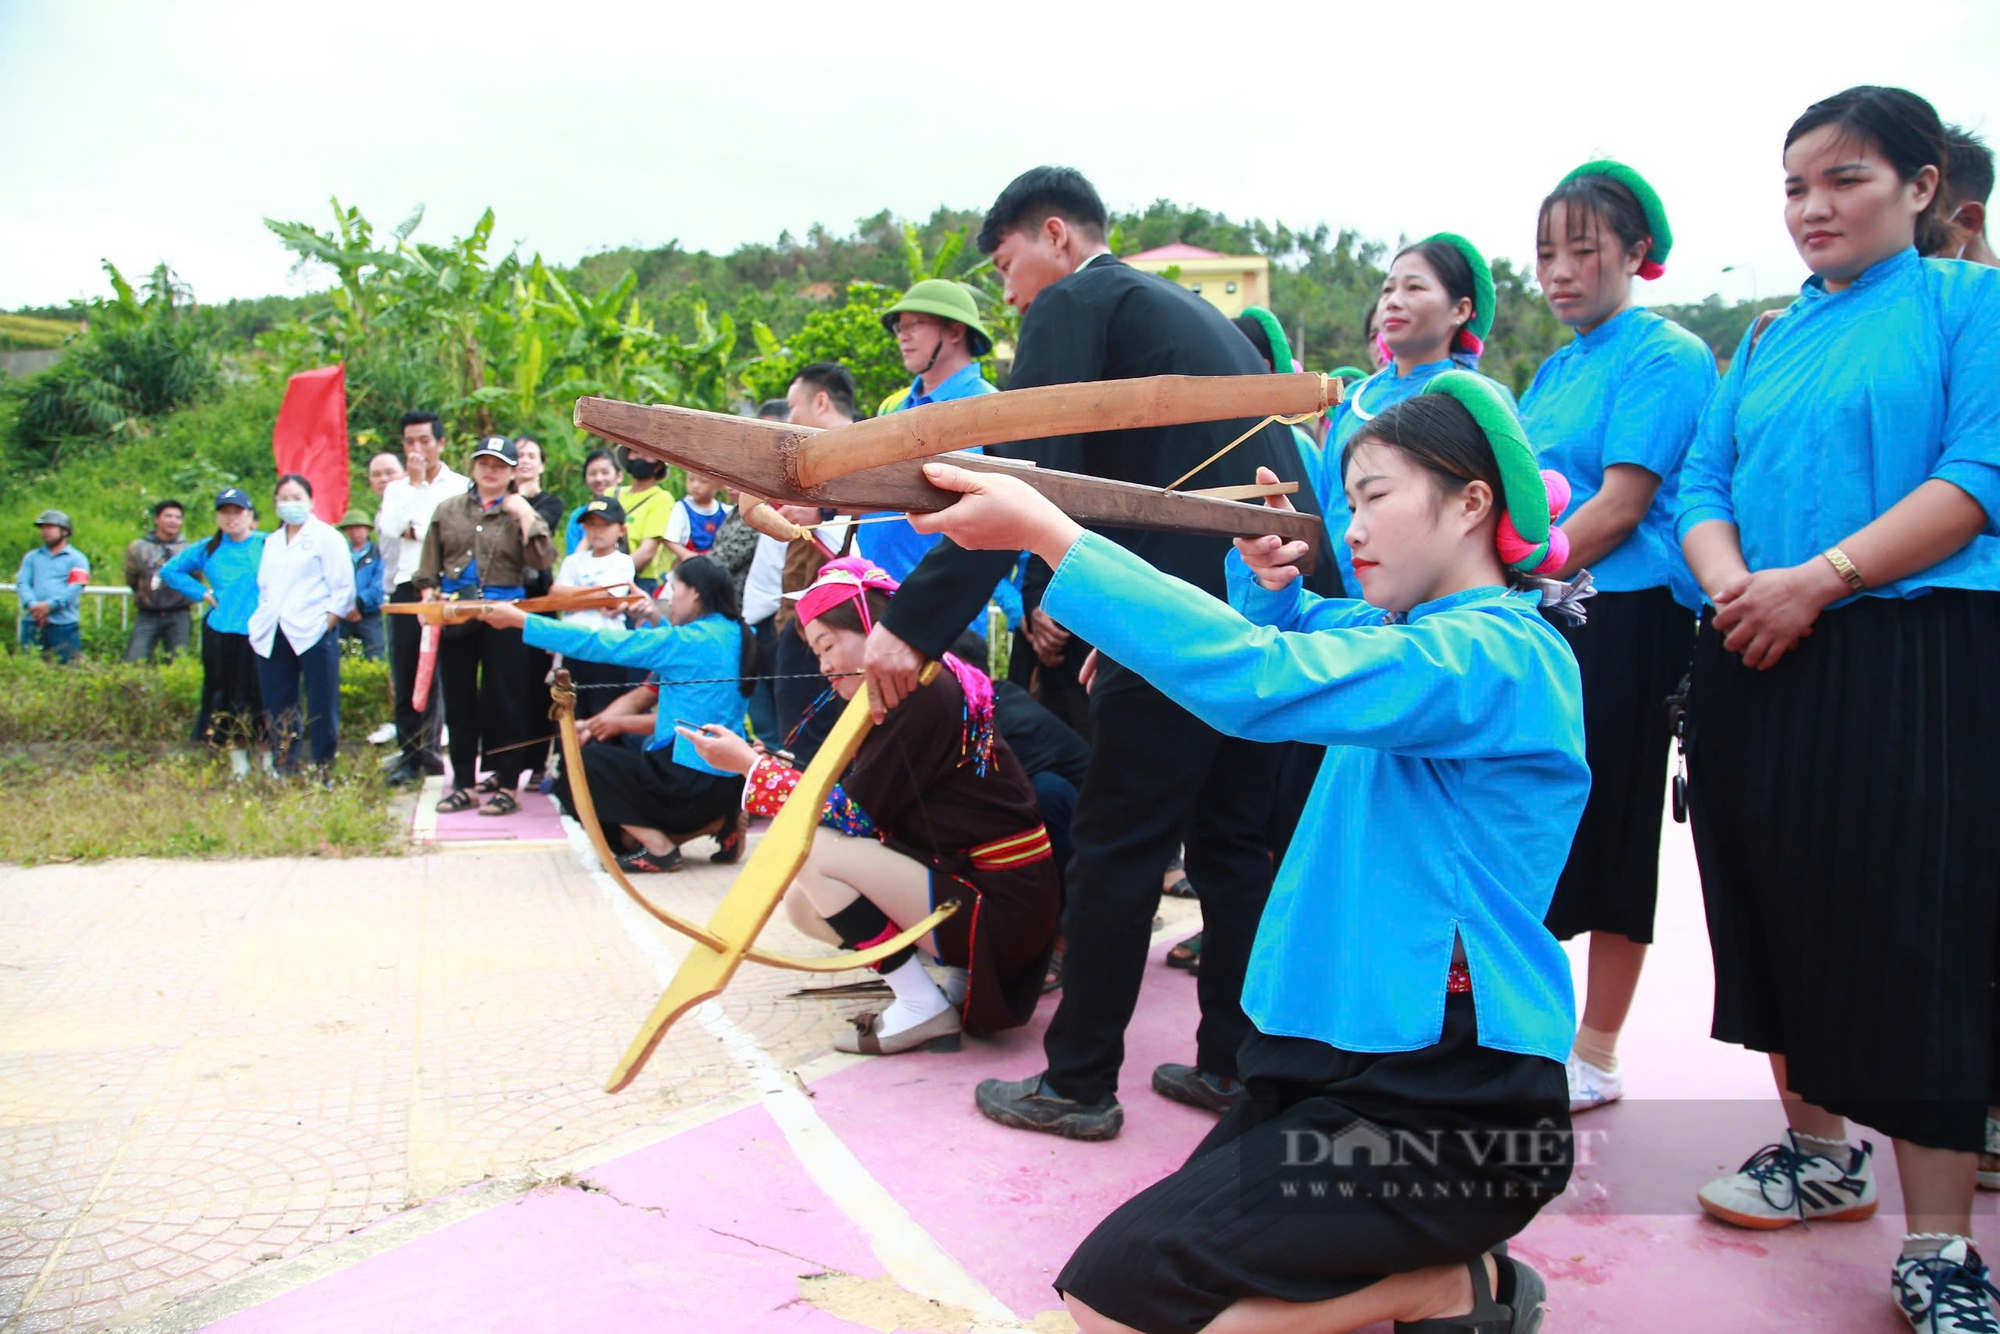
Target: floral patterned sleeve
pixel 769 785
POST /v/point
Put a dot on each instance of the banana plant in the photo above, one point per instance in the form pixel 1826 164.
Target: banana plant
pixel 364 272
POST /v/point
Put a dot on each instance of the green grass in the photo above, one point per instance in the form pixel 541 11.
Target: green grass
pixel 186 806
pixel 94 705
pixel 96 761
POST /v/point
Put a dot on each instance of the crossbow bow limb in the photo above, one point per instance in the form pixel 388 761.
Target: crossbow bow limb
pixel 877 465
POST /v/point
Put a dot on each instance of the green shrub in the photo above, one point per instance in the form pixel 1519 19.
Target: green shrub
pixel 141 707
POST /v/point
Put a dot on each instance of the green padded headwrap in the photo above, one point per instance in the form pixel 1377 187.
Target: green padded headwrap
pixel 1281 346
pixel 1483 296
pixel 1649 204
pixel 1348 373
pixel 1527 498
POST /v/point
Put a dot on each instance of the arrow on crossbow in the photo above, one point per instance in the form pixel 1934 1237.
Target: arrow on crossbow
pixel 878 464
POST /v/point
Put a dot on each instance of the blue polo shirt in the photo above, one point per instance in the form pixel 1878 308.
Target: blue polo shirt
pixel 1849 402
pixel 897 547
pixel 1630 391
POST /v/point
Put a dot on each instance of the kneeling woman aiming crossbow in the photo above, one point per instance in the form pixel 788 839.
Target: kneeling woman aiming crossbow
pixel 935 807
pixel 1416 886
pixel 704 658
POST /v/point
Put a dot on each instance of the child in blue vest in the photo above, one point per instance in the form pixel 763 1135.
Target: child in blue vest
pixel 696 519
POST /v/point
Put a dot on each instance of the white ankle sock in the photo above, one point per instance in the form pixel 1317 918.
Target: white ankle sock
pixel 917 998
pixel 239 763
pixel 1930 1243
pixel 1838 1150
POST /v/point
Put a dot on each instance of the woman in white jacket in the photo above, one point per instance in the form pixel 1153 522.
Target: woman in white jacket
pixel 305 586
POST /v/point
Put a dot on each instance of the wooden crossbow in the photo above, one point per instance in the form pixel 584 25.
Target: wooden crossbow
pixel 877 465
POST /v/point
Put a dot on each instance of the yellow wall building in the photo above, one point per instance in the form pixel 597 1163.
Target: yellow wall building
pixel 1227 282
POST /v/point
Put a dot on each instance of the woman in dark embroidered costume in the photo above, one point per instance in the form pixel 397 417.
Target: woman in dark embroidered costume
pixel 935 807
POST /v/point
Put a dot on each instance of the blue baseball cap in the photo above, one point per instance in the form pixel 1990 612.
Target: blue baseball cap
pixel 233 495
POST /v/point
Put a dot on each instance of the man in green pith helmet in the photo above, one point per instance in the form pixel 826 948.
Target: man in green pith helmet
pixel 938 330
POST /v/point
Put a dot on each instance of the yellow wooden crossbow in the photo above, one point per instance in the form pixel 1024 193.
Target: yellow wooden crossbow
pixel 737 920
pixel 875 465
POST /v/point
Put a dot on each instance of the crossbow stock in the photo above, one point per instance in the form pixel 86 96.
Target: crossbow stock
pixel 876 465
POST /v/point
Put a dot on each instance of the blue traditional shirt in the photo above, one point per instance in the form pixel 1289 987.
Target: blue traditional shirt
pixel 231 574
pixel 896 547
pixel 1363 403
pixel 1629 391
pixel 55 577
pixel 1452 785
pixel 697 665
pixel 1848 402
pixel 367 578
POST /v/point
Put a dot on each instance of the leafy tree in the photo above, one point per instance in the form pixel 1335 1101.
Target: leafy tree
pixel 135 358
pixel 850 333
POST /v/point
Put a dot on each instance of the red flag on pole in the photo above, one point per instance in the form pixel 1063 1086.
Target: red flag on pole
pixel 311 437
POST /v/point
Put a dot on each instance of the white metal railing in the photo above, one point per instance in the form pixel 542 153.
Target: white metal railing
pixel 98 591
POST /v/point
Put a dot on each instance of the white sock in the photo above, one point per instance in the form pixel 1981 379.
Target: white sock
pixel 917 998
pixel 239 763
pixel 1839 1151
pixel 955 981
pixel 1930 1243
pixel 267 761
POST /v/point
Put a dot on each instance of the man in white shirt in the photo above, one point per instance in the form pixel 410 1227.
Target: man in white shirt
pixel 400 525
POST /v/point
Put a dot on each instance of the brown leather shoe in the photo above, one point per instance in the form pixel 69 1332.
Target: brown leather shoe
pixel 937 1033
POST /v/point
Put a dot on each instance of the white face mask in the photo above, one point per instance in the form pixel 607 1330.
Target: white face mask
pixel 294 512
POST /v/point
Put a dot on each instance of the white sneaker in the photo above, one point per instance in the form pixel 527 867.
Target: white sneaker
pixel 1990 1180
pixel 1592 1086
pixel 1946 1293
pixel 386 732
pixel 1779 1186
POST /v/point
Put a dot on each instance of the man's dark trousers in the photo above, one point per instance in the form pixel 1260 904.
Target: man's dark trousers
pixel 416 729
pixel 1157 774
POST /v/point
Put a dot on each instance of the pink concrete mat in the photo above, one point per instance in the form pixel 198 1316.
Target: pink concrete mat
pixel 708 1231
pixel 538 819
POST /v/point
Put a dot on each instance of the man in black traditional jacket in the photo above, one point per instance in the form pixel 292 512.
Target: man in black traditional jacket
pixel 1158 776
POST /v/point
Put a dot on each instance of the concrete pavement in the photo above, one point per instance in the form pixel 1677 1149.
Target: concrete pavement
pixel 286 1097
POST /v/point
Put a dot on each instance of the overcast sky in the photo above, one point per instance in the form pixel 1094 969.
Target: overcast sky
pixel 161 130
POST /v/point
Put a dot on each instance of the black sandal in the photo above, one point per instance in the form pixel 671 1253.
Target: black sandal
pixel 500 803
pixel 487 786
pixel 729 846
pixel 1187 954
pixel 459 800
pixel 1180 889
pixel 1520 1313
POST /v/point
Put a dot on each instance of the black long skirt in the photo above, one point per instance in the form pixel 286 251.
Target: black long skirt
pixel 232 705
pixel 646 788
pixel 1843 805
pixel 1340 1169
pixel 1631 653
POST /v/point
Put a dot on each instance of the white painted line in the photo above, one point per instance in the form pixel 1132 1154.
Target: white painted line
pixel 910 1254
pixel 424 828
